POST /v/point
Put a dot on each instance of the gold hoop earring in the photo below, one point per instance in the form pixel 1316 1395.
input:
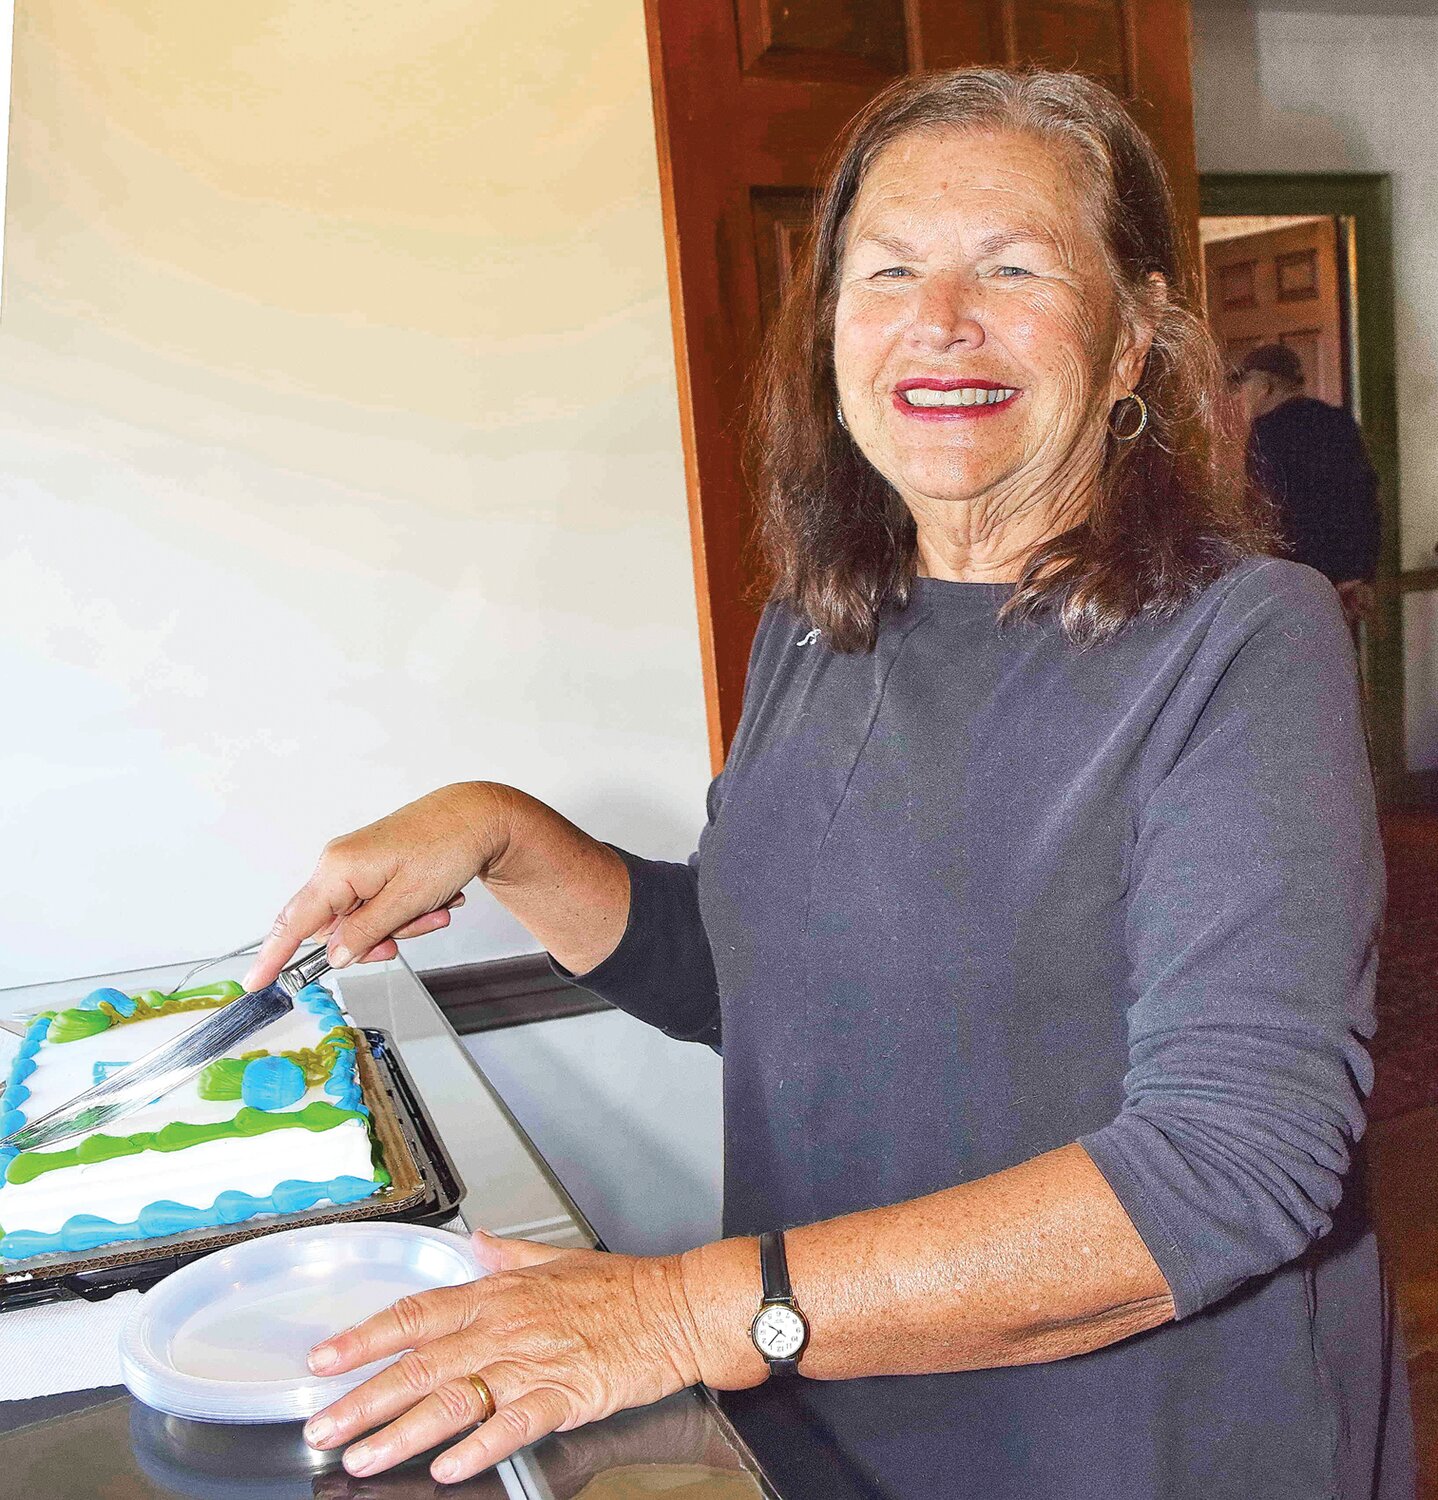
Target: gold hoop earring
pixel 1128 437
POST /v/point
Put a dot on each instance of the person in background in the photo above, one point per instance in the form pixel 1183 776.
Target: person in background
pixel 1309 458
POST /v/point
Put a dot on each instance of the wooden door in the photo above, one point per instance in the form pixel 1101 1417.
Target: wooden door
pixel 749 98
pixel 1281 286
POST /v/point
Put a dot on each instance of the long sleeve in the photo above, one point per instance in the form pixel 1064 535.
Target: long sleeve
pixel 1255 897
pixel 662 970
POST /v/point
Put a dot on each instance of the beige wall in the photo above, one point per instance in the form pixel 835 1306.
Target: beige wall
pixel 7 32
pixel 341 455
pixel 1324 86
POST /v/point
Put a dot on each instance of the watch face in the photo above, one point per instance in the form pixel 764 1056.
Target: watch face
pixel 779 1332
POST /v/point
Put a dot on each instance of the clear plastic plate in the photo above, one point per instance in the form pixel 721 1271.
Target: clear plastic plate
pixel 224 1339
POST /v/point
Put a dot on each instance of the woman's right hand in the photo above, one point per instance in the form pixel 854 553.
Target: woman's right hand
pixel 395 878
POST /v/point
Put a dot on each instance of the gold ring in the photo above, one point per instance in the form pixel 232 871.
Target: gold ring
pixel 486 1395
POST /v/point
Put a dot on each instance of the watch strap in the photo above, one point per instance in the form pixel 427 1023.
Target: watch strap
pixel 776 1287
pixel 774 1267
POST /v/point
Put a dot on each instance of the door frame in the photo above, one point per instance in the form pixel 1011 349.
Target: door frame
pixel 1365 199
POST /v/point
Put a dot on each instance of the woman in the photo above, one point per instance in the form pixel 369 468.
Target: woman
pixel 1034 915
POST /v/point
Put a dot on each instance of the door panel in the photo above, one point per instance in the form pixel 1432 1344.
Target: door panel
pixel 823 39
pixel 1281 286
pixel 749 99
pixel 781 220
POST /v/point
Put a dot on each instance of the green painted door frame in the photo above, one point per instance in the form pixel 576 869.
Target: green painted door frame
pixel 1363 199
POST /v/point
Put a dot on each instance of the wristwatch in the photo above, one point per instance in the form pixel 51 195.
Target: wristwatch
pixel 779 1330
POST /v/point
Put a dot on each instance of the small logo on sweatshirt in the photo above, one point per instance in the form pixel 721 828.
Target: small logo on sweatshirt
pixel 808 640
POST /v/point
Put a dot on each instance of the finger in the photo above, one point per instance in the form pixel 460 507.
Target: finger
pixel 311 908
pixel 381 951
pixel 495 1253
pixel 405 1384
pixel 450 1407
pixel 366 926
pixel 431 921
pixel 515 1425
pixel 407 1324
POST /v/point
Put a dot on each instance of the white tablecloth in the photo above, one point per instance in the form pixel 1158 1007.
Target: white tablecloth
pixel 61 1346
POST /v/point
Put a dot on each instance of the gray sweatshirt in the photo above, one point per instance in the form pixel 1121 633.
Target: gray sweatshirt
pixel 979 894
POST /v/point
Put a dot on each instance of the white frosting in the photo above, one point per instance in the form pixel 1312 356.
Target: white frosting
pixel 120 1188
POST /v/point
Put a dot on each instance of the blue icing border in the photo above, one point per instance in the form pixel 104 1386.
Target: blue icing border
pixel 343 1083
pixel 87 1231
pixel 12 1117
pixel 320 1003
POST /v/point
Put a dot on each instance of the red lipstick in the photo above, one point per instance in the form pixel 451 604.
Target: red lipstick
pixel 952 413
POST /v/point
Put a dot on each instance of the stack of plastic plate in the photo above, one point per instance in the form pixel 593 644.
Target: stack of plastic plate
pixel 225 1338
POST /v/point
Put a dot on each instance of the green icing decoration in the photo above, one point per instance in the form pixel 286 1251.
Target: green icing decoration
pixel 223 1079
pixel 76 1024
pixel 177 1136
pixel 376 1156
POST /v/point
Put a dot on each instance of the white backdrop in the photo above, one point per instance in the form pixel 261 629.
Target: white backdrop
pixel 340 455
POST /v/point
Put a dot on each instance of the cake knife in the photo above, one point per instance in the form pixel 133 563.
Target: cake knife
pixel 166 1067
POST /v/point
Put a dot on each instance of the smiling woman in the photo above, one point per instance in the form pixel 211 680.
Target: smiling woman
pixel 988 232
pixel 1034 915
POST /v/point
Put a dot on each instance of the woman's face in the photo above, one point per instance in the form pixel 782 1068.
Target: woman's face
pixel 977 341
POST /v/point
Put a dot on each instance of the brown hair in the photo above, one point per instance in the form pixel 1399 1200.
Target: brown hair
pixel 1173 509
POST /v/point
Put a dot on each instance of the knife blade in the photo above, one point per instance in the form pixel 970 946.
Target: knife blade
pixel 175 1062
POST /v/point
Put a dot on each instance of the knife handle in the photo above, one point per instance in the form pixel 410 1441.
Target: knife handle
pixel 297 975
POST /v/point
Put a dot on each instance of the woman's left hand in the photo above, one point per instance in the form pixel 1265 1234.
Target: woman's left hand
pixel 560 1337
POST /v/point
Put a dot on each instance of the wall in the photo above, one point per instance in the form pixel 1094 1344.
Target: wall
pixel 7 34
pixel 341 455
pixel 1319 86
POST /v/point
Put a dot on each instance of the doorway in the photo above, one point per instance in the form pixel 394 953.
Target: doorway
pixel 1306 261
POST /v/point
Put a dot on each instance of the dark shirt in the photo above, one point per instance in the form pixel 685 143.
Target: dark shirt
pixel 978 894
pixel 1310 459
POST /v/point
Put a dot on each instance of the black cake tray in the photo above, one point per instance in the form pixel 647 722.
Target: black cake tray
pixel 137 1265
